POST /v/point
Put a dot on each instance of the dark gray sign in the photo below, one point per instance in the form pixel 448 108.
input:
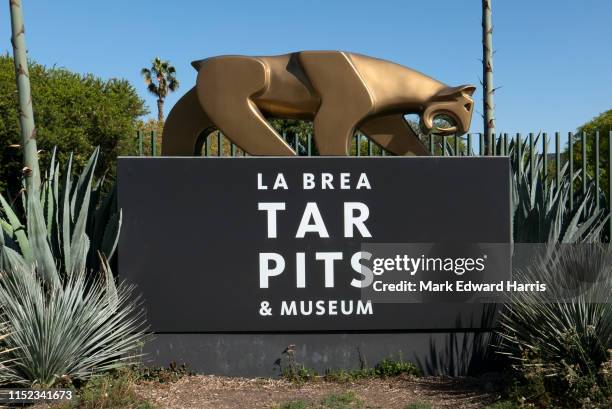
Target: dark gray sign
pixel 275 244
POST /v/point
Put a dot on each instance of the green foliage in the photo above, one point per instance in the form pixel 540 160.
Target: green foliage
pixel 296 404
pixel 75 329
pixel 390 367
pixel 160 80
pixel 68 228
pixel 299 374
pixel 603 124
pixel 73 112
pixel 170 374
pixel 560 341
pixel 110 391
pixel 346 400
pixel 291 129
pixel 541 211
pixel 63 320
pixel 506 404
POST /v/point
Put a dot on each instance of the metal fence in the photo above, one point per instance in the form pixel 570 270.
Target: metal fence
pixel 581 154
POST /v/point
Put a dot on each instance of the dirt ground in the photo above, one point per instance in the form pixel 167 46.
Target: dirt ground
pixel 213 392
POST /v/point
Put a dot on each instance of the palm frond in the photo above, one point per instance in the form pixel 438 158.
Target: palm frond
pixel 173 84
pixel 153 89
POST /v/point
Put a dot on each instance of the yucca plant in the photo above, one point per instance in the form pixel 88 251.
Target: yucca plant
pixel 67 318
pixel 74 330
pixel 560 340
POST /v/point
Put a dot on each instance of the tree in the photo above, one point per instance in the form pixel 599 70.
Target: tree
pixel 160 80
pixel 76 112
pixel 487 75
pixel 602 123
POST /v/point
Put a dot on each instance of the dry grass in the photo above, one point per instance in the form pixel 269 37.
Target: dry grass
pixel 214 392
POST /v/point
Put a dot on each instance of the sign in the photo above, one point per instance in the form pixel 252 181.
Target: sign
pixel 281 244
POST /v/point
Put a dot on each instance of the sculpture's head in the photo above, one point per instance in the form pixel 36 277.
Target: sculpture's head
pixel 455 105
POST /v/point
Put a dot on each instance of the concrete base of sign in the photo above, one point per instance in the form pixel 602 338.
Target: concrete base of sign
pixel 253 355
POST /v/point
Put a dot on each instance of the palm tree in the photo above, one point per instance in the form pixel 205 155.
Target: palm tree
pixel 160 80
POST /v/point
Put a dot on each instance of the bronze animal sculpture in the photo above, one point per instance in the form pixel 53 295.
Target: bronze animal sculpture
pixel 341 92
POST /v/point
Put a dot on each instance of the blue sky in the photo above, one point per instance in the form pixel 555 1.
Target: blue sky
pixel 553 59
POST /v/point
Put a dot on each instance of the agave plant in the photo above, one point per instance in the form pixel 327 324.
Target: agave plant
pixel 540 210
pixel 67 318
pixel 563 336
pixel 66 227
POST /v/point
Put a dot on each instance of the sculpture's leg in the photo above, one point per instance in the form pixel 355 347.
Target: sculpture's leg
pixel 345 99
pixel 225 86
pixel 185 122
pixel 394 134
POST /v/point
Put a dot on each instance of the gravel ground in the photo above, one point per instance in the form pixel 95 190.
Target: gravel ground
pixel 214 392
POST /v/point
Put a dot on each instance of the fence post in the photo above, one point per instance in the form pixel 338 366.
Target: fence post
pixel 597 170
pixel 232 149
pixel 519 155
pixel 207 145
pixel 570 141
pixel 584 163
pixel 309 136
pixel 545 156
pixel 558 160
pixel 610 186
pixel 469 144
pixel 506 146
pixel 531 153
pixel 443 145
pixel 432 148
pixel 457 153
pixel 481 145
pixel 153 143
pixel 358 147
pixel 140 143
pixel 219 144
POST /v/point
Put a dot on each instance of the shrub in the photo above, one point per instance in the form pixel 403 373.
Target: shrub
pixel 73 330
pixel 559 341
pixel 66 316
pixel 110 391
pixel 390 367
pixel 74 112
pixel 170 374
pixel 296 404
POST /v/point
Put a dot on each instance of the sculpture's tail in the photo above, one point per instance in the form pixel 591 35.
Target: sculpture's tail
pixel 186 127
